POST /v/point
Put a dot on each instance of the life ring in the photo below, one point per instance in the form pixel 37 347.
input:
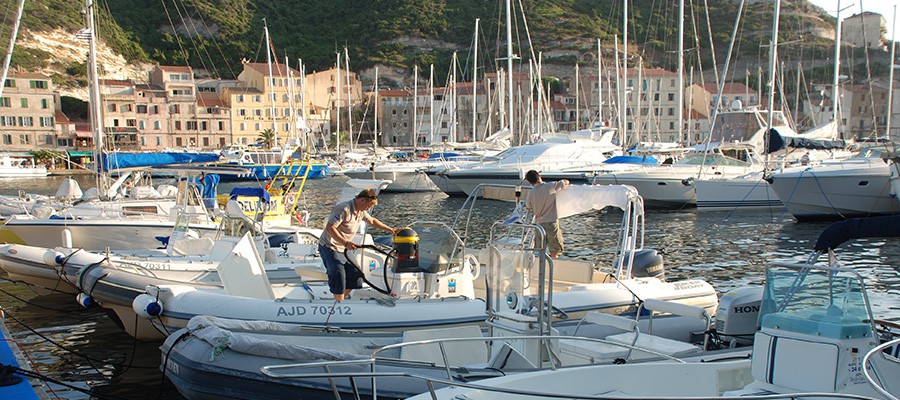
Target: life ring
pixel 289 199
pixel 302 217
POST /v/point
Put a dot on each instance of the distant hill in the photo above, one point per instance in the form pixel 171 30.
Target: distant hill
pixel 216 34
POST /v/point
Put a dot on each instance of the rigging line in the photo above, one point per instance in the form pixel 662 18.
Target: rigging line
pixel 214 42
pixel 172 24
pixel 189 24
pixel 187 28
pixel 712 45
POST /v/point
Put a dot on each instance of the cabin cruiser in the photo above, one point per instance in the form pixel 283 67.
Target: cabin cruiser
pixel 556 158
pixel 20 167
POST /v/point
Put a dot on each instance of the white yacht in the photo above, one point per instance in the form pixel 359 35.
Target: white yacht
pixel 557 158
pixel 853 187
pixel 20 167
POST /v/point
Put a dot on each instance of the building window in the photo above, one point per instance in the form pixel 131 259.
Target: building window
pixel 159 140
pixel 671 96
pixel 256 127
pixel 206 142
pixel 221 125
pixel 130 122
pixel 177 125
pixel 656 97
pixel 257 99
pixel 243 126
pixel 7 138
pixel 257 113
pixel 141 125
pixel 27 121
pixel 179 142
pixel 181 92
pixel 671 111
pixel 48 139
pixel 204 125
pixel 240 98
pixel 671 125
pixel 242 112
pixel 45 104
pixel 141 109
pixel 10 83
pixel 47 121
pixel 24 102
pixel 157 125
pixel 25 139
pixel 38 84
pixel 191 125
pixel 4 102
pixel 143 141
pixel 175 109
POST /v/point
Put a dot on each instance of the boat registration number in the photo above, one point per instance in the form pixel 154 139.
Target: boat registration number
pixel 292 311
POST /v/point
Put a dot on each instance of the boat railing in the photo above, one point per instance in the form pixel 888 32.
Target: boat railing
pixel 547 342
pixel 870 373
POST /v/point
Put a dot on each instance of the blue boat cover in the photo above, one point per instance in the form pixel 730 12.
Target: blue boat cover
pixel 250 192
pixel 643 160
pixel 116 161
pixel 777 141
pixel 855 228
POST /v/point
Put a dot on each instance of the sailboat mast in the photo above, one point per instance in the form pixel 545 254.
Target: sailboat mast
pixel 12 43
pixel 474 85
pixel 271 84
pixel 835 92
pixel 509 69
pixel 773 58
pixel 415 133
pixel 431 105
pixel 337 104
pixel 577 100
pixel 96 109
pixel 599 84
pixel 453 131
pixel 377 100
pixel 680 71
pixel 890 99
pixel 349 99
pixel 623 96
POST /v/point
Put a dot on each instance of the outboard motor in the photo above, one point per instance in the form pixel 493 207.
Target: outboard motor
pixel 737 318
pixel 406 244
pixel 647 264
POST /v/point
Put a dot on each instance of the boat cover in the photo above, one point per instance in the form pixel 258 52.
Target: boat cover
pixel 855 228
pixel 249 192
pixel 237 335
pixel 643 160
pixel 576 199
pixel 116 161
pixel 779 141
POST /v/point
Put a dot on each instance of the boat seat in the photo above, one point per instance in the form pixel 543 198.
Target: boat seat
pixel 302 251
pixel 572 271
pixel 458 353
pixel 633 337
pixel 243 274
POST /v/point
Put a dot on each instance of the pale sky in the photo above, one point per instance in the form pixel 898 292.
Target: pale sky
pixel 883 7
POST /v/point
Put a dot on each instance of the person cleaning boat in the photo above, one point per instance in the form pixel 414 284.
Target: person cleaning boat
pixel 338 235
pixel 541 200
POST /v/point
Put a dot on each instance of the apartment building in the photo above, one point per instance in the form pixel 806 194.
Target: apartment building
pixel 28 112
pixel 865 29
pixel 259 102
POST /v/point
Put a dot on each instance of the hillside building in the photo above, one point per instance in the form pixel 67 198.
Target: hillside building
pixel 865 29
pixel 28 113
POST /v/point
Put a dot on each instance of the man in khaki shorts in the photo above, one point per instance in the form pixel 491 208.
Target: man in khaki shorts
pixel 541 200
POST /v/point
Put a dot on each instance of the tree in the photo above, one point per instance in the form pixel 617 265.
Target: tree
pixel 266 138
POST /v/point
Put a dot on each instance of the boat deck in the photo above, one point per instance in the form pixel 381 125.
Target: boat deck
pixel 11 355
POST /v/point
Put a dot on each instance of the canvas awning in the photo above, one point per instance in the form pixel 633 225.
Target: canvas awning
pixel 76 153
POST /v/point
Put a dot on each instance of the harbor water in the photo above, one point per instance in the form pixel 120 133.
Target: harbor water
pixel 84 348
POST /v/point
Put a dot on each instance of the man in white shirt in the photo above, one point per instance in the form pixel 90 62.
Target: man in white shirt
pixel 541 200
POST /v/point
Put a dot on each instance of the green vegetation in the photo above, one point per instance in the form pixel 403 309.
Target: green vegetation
pixel 217 34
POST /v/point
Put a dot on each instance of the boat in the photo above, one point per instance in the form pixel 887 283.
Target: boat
pixel 853 187
pixel 442 290
pixel 555 158
pixel 741 192
pixel 20 167
pixel 818 338
pixel 672 186
pixel 409 176
pixel 264 164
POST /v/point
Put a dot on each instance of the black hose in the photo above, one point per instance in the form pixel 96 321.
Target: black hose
pixel 388 256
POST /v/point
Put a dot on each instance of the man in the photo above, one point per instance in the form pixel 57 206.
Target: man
pixel 541 200
pixel 338 235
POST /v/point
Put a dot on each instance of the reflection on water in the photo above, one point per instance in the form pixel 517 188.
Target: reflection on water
pixel 730 250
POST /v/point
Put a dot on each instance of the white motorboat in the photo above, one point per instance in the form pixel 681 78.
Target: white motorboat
pixel 672 186
pixel 20 167
pixel 853 187
pixel 818 338
pixel 405 176
pixel 557 158
pixel 442 291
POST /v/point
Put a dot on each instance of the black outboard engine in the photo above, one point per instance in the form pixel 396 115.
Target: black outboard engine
pixel 406 244
pixel 647 264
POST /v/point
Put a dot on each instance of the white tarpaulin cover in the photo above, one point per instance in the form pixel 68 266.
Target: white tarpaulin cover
pixel 576 199
pixel 235 335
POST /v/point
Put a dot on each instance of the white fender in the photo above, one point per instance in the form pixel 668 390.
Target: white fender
pixel 85 300
pixel 53 258
pixel 147 306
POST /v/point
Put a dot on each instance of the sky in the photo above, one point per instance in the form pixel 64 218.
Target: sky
pixel 883 7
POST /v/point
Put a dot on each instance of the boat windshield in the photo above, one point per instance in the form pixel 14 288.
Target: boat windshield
pixel 711 159
pixel 439 246
pixel 813 300
pixel 875 152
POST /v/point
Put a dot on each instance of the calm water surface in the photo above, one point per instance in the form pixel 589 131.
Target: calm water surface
pixel 729 250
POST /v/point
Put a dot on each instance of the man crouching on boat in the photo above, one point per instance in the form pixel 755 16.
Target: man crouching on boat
pixel 338 235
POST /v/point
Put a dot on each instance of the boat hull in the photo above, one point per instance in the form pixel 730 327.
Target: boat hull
pixel 402 181
pixel 731 194
pixel 839 192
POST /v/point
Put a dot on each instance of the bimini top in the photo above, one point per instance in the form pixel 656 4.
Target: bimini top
pixel 856 228
pixel 577 199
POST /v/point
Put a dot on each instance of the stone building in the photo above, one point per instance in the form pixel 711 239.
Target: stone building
pixel 28 113
pixel 865 29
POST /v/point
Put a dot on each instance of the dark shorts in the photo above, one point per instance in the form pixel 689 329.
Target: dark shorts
pixel 341 276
